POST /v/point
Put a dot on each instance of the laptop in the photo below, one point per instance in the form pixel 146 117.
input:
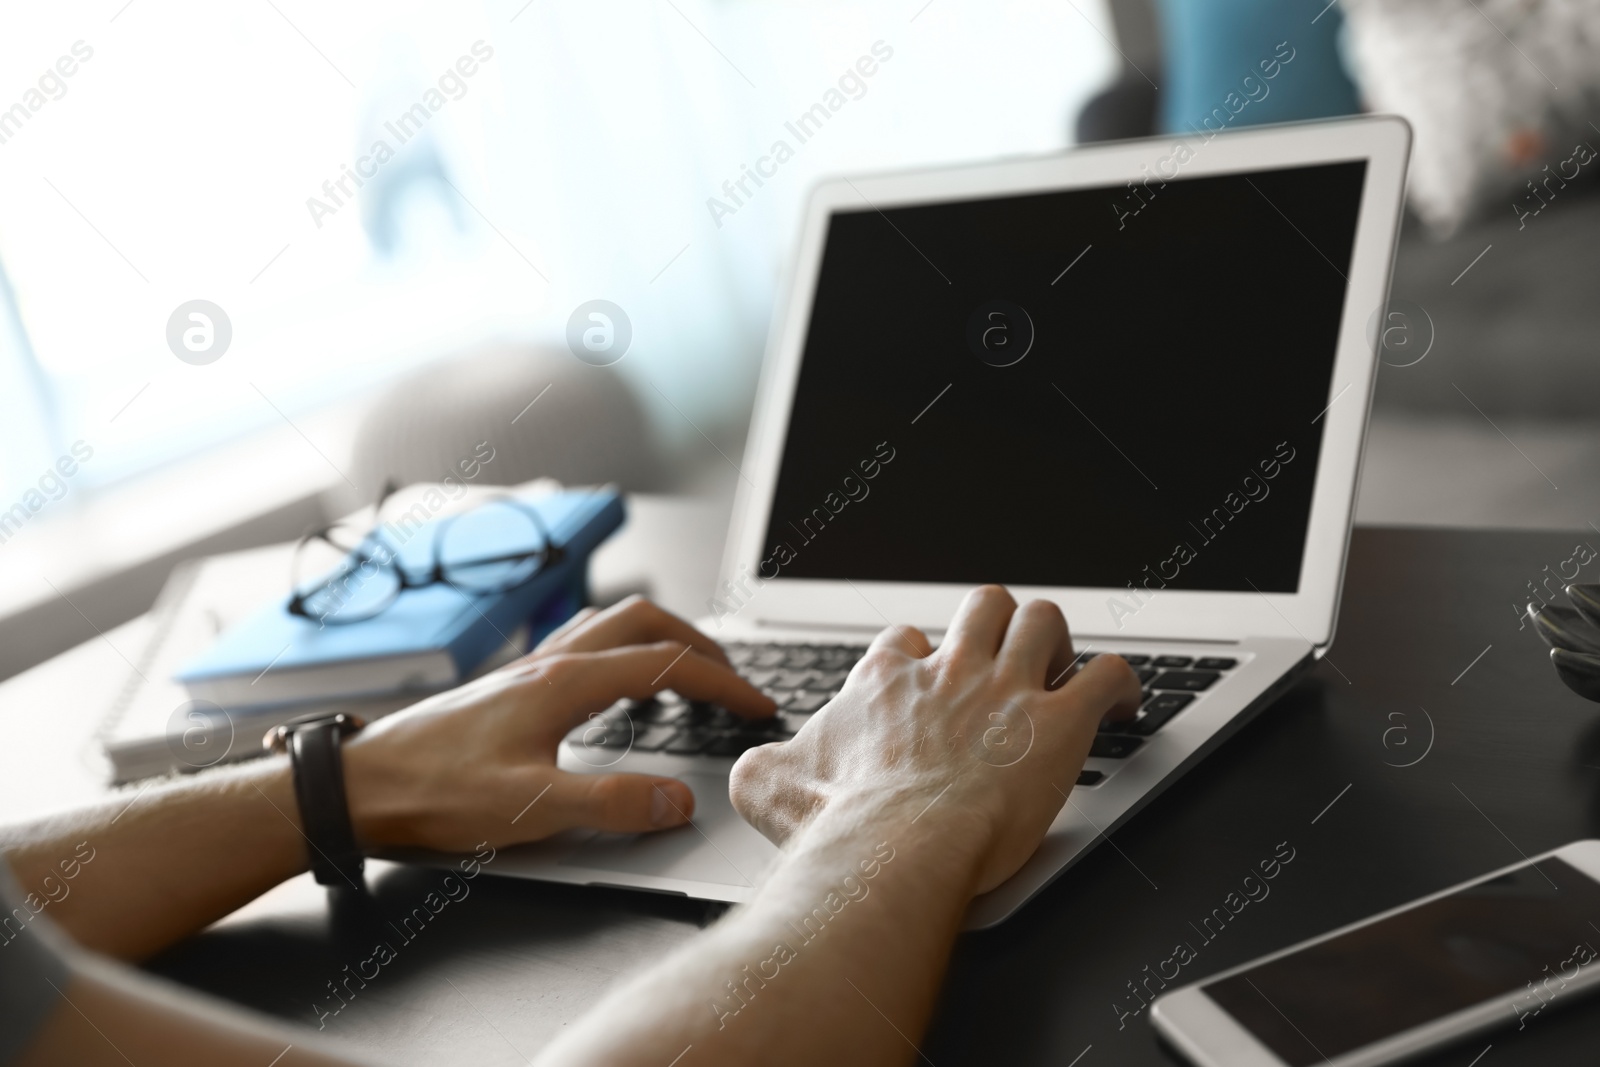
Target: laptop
pixel 1132 379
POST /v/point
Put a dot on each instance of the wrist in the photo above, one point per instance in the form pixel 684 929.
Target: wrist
pixel 939 848
pixel 381 803
pixel 271 779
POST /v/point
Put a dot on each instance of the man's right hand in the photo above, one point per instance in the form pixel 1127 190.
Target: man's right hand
pixel 984 737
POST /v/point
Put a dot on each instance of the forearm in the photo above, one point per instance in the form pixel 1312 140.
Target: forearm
pixel 132 875
pixel 139 872
pixel 109 1017
pixel 853 927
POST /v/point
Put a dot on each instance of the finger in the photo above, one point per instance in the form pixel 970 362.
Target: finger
pixel 637 621
pixel 906 640
pixel 1105 687
pixel 980 622
pixel 555 638
pixel 616 803
pixel 591 681
pixel 1037 646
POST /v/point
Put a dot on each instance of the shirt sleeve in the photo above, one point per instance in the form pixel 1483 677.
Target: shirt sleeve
pixel 32 970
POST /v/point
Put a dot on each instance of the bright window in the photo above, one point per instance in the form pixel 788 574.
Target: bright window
pixel 540 154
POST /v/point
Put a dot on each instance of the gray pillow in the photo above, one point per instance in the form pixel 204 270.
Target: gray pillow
pixel 1498 92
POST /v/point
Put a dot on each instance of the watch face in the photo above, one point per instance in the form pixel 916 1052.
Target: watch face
pixel 348 724
pixel 277 738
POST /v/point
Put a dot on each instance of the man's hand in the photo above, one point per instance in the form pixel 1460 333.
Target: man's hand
pixel 472 765
pixel 950 764
pixel 983 738
pixel 479 762
pixel 930 778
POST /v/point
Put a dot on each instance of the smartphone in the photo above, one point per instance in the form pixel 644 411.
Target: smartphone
pixel 1491 952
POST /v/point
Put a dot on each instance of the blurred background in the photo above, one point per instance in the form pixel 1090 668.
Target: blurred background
pixel 386 309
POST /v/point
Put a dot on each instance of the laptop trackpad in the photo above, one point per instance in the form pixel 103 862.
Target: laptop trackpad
pixel 717 847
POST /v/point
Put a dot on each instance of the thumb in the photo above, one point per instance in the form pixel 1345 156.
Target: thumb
pixel 617 803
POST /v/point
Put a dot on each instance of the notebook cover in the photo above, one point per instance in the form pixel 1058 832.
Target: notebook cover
pixel 424 630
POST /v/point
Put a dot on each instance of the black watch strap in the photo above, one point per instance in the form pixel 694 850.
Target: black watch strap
pixel 318 769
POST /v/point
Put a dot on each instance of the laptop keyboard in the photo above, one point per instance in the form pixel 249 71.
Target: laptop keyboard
pixel 801 678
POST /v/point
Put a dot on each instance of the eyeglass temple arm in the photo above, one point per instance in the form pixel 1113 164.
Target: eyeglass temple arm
pixel 552 553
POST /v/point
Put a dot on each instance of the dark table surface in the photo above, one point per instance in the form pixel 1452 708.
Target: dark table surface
pixel 1492 760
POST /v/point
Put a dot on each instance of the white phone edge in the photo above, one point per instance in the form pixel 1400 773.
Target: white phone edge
pixel 1199 1028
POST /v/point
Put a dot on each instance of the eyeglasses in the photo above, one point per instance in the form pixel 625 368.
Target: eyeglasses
pixel 343 575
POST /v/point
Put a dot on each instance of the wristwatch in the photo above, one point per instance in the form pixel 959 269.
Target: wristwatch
pixel 317 765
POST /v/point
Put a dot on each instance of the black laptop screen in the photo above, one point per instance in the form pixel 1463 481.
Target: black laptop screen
pixel 1094 387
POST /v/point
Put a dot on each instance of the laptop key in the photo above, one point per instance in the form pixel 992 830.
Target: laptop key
pixel 1216 663
pixel 738 654
pixel 1146 674
pixel 830 680
pixel 1173 661
pixel 837 658
pixel 653 711
pixel 768 727
pixel 653 738
pixel 769 657
pixel 1133 659
pixel 1185 681
pixel 801 657
pixel 1090 777
pixel 689 741
pixel 1113 746
pixel 790 679
pixel 708 716
pixel 1161 707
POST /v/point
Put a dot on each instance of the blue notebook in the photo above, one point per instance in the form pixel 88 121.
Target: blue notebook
pixel 428 639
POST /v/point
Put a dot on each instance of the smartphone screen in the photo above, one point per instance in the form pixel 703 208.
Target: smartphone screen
pixel 1519 937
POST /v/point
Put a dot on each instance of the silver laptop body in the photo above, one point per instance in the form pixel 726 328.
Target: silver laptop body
pixel 1133 379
